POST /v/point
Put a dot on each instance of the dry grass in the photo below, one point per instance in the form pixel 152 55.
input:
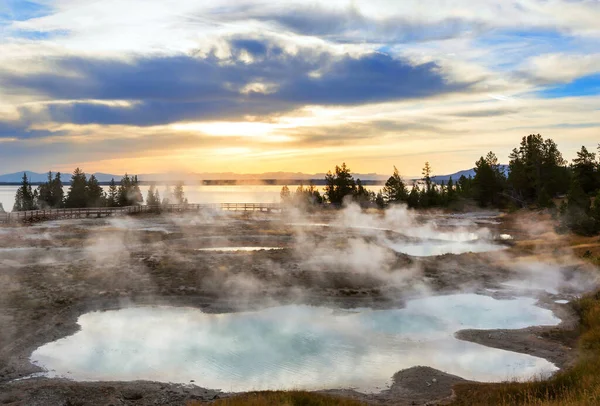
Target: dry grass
pixel 579 385
pixel 277 398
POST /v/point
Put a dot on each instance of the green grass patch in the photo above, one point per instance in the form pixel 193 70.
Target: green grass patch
pixel 579 385
pixel 287 398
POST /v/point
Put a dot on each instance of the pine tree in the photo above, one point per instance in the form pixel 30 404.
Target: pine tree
pixel 585 170
pixel 95 193
pixel 178 194
pixel 25 199
pixel 112 199
pixel 136 193
pixel 339 185
pixel 77 195
pixel 124 198
pixel 285 194
pixel 57 192
pixel 413 197
pixel 45 193
pixel 152 198
pixel 394 190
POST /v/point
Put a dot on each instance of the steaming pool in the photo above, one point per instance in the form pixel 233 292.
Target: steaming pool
pixel 294 346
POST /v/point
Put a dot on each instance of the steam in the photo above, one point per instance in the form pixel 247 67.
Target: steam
pixel 247 261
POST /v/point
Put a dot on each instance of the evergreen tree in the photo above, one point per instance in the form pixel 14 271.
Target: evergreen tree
pixel 112 199
pixel 136 194
pixel 595 212
pixel 394 190
pixel 95 193
pixel 178 194
pixel 339 185
pixel 25 198
pixel 535 166
pixel 50 193
pixel 488 183
pixel 413 197
pixel 380 200
pixel 285 194
pixel 427 177
pixel 585 170
pixel 124 197
pixel 56 191
pixel 361 195
pixel 45 193
pixel 466 186
pixel 77 195
pixel 577 216
pixel 167 196
pixel 152 198
pixel 451 191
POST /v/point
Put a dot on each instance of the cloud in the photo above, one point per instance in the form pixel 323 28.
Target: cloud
pixel 167 89
pixel 350 25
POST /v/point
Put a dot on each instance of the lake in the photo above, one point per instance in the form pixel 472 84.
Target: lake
pixel 197 193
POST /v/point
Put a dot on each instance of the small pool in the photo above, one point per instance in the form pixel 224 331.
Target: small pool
pixel 233 249
pixel 295 346
pixel 434 248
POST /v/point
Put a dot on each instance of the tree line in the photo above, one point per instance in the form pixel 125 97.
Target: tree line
pixel 537 174
pixel 87 192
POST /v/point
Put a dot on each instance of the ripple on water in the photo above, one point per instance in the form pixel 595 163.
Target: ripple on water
pixel 295 346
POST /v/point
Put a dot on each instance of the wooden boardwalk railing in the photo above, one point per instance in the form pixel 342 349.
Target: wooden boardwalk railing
pixel 55 214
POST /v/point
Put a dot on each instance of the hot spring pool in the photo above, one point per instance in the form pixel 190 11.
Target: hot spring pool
pixel 294 346
pixel 434 248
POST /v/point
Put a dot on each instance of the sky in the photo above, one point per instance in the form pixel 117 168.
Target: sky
pixel 248 86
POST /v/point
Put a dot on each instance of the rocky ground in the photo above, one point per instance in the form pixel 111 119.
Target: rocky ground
pixel 51 273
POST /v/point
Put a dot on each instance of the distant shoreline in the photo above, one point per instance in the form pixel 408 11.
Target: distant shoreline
pixel 225 182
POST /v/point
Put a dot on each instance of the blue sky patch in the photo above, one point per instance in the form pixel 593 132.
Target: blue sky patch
pixel 584 86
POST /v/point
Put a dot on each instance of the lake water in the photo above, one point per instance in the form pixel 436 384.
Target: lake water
pixel 295 346
pixel 197 193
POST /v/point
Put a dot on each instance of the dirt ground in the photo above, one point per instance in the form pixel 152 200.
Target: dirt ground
pixel 53 272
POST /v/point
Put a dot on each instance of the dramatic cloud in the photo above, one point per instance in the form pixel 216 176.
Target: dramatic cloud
pixel 285 85
pixel 258 79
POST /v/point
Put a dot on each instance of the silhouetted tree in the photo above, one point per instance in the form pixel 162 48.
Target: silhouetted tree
pixel 25 198
pixel 537 166
pixel 578 209
pixel 129 193
pixel 362 196
pixel 413 197
pixel 380 200
pixel 153 197
pixel 136 193
pixel 339 185
pixel 124 193
pixel 394 190
pixel 488 182
pixel 178 194
pixel 95 193
pixel 77 195
pixel 585 170
pixel 57 191
pixel 285 194
pixel 112 198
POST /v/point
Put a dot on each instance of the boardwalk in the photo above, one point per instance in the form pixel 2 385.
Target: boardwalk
pixel 95 212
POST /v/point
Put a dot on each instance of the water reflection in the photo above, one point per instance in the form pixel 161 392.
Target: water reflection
pixel 294 346
pixel 433 248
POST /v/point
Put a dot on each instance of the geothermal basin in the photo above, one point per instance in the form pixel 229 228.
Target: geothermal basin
pixel 295 346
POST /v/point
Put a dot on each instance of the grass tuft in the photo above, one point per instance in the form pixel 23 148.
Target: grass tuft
pixel 579 385
pixel 282 398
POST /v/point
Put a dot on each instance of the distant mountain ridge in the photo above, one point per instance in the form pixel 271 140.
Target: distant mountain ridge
pixel 35 177
pixel 466 173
